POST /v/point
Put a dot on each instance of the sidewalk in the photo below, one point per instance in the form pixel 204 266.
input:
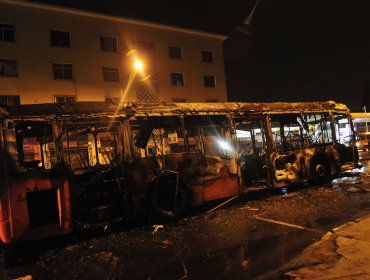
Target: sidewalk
pixel 343 253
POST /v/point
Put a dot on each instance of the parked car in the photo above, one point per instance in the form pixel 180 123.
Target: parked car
pixel 362 141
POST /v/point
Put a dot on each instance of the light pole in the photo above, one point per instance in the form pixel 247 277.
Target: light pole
pixel 245 28
pixel 364 108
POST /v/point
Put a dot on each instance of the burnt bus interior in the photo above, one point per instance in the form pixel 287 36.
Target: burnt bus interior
pixel 93 154
pixel 182 157
pixel 66 167
pixel 297 147
pixel 252 148
pixel 35 148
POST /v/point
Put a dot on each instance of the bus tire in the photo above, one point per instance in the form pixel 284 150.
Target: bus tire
pixel 320 172
pixel 163 202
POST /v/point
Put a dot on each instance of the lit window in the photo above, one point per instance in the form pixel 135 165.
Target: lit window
pixel 62 71
pixel 108 44
pixel 10 100
pixel 60 39
pixel 209 81
pixel 7 32
pixel 207 56
pixel 8 68
pixel 111 74
pixel 64 98
pixel 175 52
pixel 177 79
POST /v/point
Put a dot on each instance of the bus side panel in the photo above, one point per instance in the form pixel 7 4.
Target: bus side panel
pixel 40 208
pixel 5 229
pixel 214 188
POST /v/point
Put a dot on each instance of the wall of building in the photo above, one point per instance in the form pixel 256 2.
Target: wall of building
pixel 34 55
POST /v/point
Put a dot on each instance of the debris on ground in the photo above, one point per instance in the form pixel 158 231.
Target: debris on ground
pixel 166 243
pixel 185 271
pixel 156 228
pixel 289 195
pixel 249 208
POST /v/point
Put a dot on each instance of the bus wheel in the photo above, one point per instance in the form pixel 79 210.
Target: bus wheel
pixel 320 172
pixel 164 200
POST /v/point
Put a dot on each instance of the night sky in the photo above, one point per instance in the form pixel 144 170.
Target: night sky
pixel 294 50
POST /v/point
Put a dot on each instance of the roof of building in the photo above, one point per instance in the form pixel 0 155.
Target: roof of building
pixel 82 110
pixel 102 16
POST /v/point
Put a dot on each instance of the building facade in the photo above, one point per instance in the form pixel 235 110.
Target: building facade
pixel 54 54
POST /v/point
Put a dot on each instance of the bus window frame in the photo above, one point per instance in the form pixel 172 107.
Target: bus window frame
pixel 19 127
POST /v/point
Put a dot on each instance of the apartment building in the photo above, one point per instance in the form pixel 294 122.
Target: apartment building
pixel 56 54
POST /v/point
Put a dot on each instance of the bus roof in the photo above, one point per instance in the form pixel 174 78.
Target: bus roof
pixel 109 109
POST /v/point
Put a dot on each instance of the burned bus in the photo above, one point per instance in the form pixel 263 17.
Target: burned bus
pixel 85 165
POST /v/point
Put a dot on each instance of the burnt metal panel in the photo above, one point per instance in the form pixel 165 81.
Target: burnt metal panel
pixel 111 109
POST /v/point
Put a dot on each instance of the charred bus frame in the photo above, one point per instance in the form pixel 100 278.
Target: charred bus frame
pixel 91 164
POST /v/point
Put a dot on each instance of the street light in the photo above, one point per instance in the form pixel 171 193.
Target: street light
pixel 245 28
pixel 137 66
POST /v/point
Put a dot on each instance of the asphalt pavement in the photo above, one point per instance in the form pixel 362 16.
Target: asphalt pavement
pixel 342 253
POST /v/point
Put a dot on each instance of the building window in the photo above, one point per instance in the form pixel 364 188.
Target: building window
pixel 10 100
pixel 108 44
pixel 8 68
pixel 60 39
pixel 175 52
pixel 177 79
pixel 7 32
pixel 111 74
pixel 207 56
pixel 65 98
pixel 62 71
pixel 209 81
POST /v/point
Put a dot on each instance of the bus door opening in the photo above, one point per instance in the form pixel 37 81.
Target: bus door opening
pixel 345 138
pixel 288 158
pixel 92 152
pixel 251 144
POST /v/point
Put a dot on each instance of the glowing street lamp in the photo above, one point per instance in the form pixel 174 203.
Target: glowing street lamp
pixel 138 65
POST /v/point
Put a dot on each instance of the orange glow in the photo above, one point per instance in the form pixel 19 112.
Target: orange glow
pixel 138 65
